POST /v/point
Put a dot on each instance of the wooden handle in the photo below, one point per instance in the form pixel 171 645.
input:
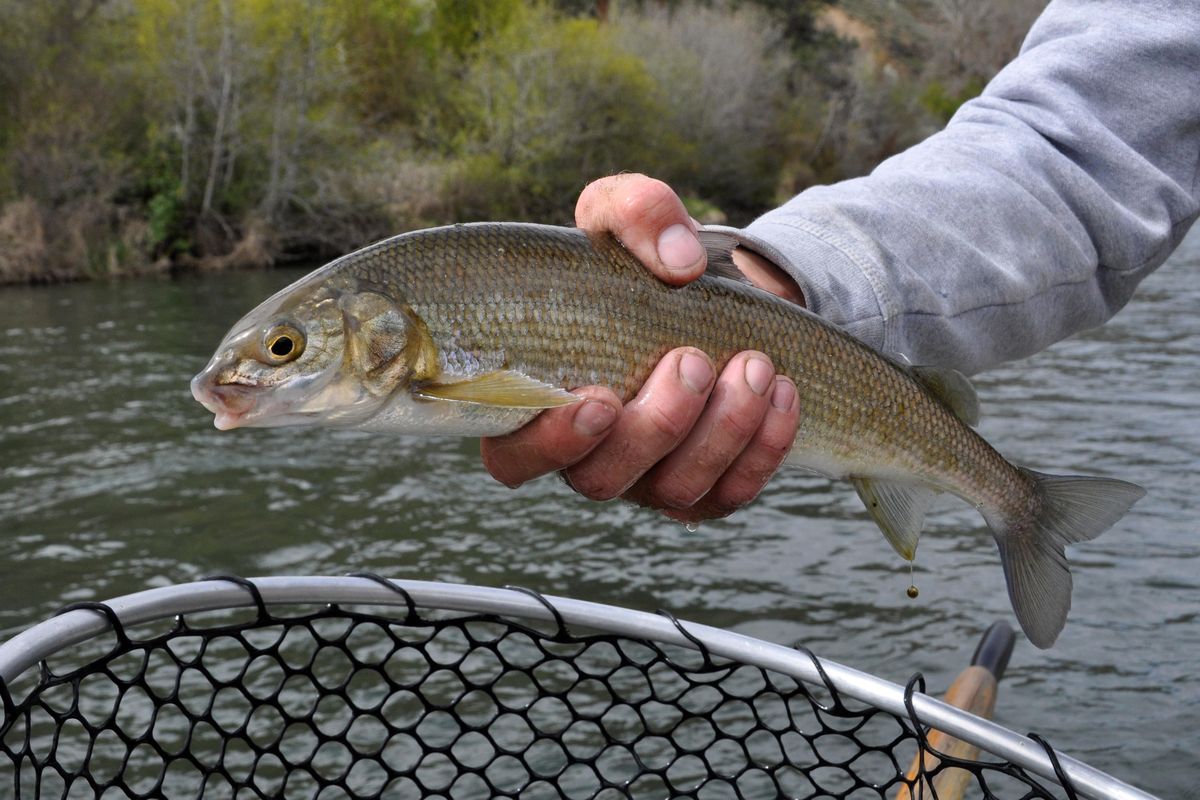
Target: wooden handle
pixel 974 691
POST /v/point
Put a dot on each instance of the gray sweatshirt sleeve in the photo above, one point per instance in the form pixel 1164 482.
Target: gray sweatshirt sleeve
pixel 1034 214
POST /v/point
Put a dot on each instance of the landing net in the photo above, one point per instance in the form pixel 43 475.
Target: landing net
pixel 363 688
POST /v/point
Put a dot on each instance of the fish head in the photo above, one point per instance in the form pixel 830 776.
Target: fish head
pixel 321 352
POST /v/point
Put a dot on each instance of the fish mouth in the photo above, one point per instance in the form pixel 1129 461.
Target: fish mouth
pixel 237 403
pixel 231 403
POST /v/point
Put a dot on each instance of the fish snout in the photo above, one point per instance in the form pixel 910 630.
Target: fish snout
pixel 230 402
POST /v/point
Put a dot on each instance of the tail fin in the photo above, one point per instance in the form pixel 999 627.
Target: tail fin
pixel 1066 509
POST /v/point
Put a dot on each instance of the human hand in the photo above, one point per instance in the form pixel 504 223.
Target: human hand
pixel 693 444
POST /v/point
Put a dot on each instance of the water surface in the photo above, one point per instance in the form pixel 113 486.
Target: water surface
pixel 113 480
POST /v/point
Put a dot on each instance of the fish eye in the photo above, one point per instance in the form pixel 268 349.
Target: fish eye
pixel 283 344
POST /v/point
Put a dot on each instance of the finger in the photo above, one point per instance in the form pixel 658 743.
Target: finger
pixel 751 470
pixel 730 420
pixel 652 424
pixel 556 438
pixel 649 219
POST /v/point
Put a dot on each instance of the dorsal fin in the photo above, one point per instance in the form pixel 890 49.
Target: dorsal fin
pixel 719 248
pixel 951 388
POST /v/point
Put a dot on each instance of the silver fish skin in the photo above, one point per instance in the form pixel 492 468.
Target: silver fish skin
pixel 474 329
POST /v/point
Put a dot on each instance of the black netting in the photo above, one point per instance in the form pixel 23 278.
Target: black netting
pixel 365 703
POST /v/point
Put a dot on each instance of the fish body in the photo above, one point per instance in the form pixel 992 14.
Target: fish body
pixel 473 330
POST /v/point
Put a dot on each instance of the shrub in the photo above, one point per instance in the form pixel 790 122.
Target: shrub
pixel 721 75
pixel 550 103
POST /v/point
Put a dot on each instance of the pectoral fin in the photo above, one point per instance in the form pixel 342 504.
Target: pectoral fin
pixel 503 389
pixel 899 510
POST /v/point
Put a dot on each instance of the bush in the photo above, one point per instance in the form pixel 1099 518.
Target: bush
pixel 721 76
pixel 23 251
pixel 942 103
pixel 550 103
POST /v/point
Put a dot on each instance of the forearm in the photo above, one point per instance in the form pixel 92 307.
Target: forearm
pixel 1034 214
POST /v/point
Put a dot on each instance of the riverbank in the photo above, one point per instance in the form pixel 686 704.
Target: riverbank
pixel 95 240
pixel 142 138
pixel 91 240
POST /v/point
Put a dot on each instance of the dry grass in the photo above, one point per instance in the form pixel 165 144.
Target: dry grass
pixel 86 238
pixel 23 252
pixel 253 250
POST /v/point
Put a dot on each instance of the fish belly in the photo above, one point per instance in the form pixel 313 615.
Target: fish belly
pixel 406 414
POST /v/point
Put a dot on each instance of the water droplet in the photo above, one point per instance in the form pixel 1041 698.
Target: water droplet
pixel 692 527
pixel 913 591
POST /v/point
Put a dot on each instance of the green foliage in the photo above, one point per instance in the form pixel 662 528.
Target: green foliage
pixel 943 103
pixel 390 54
pixel 462 26
pixel 797 19
pixel 131 130
pixel 165 214
pixel 723 86
pixel 703 211
pixel 549 103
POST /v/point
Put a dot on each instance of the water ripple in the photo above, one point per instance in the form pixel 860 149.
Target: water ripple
pixel 112 480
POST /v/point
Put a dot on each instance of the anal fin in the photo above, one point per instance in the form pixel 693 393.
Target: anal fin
pixel 502 389
pixel 898 509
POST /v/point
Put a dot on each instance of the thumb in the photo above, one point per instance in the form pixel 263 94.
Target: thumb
pixel 649 219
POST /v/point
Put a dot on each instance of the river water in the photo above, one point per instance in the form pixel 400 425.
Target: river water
pixel 113 480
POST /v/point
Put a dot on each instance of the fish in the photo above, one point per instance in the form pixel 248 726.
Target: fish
pixel 474 329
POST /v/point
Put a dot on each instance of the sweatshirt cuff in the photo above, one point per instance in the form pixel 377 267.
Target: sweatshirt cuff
pixel 839 284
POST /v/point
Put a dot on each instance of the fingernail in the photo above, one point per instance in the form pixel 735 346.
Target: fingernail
pixel 594 418
pixel 783 395
pixel 695 371
pixel 758 375
pixel 678 247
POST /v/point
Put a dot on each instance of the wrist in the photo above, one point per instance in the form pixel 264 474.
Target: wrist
pixel 767 276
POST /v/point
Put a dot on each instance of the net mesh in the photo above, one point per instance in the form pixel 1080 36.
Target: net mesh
pixel 368 702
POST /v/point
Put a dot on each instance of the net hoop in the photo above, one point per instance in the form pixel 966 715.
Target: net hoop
pixel 72 627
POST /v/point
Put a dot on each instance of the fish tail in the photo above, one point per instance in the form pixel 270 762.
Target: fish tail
pixel 1063 509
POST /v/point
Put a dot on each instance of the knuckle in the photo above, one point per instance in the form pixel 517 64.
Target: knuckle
pixel 727 499
pixel 498 466
pixel 649 199
pixel 740 421
pixel 774 448
pixel 712 507
pixel 598 201
pixel 722 511
pixel 591 485
pixel 668 424
pixel 591 196
pixel 673 493
pixel 650 494
pixel 776 438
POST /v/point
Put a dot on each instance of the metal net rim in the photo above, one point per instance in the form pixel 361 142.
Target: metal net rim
pixel 43 640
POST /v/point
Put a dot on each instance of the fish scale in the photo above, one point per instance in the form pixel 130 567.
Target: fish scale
pixel 855 401
pixel 472 329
